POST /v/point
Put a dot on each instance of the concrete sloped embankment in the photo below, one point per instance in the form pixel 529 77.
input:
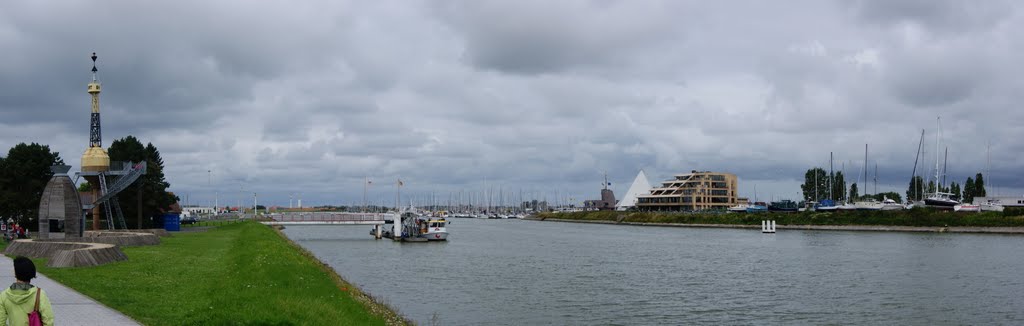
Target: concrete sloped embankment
pixel 67 254
pixel 95 248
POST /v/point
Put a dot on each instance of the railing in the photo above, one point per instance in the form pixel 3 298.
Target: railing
pixel 327 218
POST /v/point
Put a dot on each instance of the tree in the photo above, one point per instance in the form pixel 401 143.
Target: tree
pixel 853 191
pixel 84 187
pixel 915 190
pixel 931 187
pixel 23 176
pixel 815 186
pixel 838 187
pixel 954 189
pixel 979 186
pixel 153 188
pixel 969 190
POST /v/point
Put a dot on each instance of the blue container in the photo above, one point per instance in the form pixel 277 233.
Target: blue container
pixel 172 222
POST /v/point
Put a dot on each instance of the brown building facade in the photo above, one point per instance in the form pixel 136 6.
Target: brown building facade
pixel 694 191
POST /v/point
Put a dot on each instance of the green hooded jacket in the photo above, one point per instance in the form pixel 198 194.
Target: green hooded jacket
pixel 17 302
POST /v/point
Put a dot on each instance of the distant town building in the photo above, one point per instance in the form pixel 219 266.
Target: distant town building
pixel 607 201
pixel 193 211
pixel 694 191
pixel 1005 201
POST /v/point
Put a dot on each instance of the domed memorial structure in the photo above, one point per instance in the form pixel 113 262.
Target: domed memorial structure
pixel 60 209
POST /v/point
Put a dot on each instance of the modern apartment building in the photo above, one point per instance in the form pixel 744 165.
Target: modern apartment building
pixel 694 191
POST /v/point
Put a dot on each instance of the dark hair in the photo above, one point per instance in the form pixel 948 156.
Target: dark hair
pixel 24 269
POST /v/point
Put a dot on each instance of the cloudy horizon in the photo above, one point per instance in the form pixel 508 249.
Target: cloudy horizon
pixel 281 98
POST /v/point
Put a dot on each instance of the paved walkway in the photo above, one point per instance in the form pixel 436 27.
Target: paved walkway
pixel 69 306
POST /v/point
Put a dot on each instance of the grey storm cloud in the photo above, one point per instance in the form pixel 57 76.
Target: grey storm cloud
pixel 543 97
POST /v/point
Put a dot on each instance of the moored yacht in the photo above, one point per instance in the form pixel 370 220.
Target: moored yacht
pixel 741 208
pixel 891 205
pixel 827 205
pixel 940 200
pixel 784 205
pixel 757 207
pixel 991 206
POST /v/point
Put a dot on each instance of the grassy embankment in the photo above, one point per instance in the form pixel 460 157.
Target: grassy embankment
pixel 241 273
pixel 912 217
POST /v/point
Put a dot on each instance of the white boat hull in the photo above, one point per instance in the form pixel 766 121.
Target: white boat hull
pixel 868 205
pixel 966 208
pixel 435 236
pixel 991 207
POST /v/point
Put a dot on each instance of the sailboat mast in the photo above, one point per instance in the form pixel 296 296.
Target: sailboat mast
pixel 913 174
pixel 876 177
pixel 944 158
pixel 937 131
pixel 865 169
pixel 831 178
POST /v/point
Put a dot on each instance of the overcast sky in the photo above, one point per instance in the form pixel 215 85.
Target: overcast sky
pixel 280 97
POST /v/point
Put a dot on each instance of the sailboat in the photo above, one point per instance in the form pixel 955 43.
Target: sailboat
pixel 846 204
pixel 871 204
pixel 990 205
pixel 757 207
pixel 829 204
pixel 913 178
pixel 939 199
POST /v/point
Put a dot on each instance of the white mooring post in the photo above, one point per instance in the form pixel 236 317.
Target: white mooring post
pixel 767 226
pixel 396 228
pixel 764 226
pixel 378 229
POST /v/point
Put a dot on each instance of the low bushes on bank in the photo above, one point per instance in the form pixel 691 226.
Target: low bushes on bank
pixel 911 217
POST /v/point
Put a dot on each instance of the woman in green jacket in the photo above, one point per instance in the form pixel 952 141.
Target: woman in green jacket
pixel 17 301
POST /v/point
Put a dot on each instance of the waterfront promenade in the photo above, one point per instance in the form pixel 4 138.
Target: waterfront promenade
pixel 69 306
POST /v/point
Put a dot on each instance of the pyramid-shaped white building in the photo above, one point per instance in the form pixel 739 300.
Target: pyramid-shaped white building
pixel 640 186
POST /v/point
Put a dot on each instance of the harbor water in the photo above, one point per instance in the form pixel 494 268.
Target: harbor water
pixel 518 272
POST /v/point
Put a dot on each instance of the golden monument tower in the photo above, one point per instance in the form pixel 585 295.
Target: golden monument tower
pixel 95 158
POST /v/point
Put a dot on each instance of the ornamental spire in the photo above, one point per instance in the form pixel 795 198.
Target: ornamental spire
pixel 94 70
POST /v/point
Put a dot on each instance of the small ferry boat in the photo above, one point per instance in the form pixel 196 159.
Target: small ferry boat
pixel 433 229
pixel 416 228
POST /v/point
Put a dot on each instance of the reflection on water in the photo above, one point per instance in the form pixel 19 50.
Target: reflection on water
pixel 515 272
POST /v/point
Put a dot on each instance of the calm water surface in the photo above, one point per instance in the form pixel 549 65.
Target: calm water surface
pixel 516 272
